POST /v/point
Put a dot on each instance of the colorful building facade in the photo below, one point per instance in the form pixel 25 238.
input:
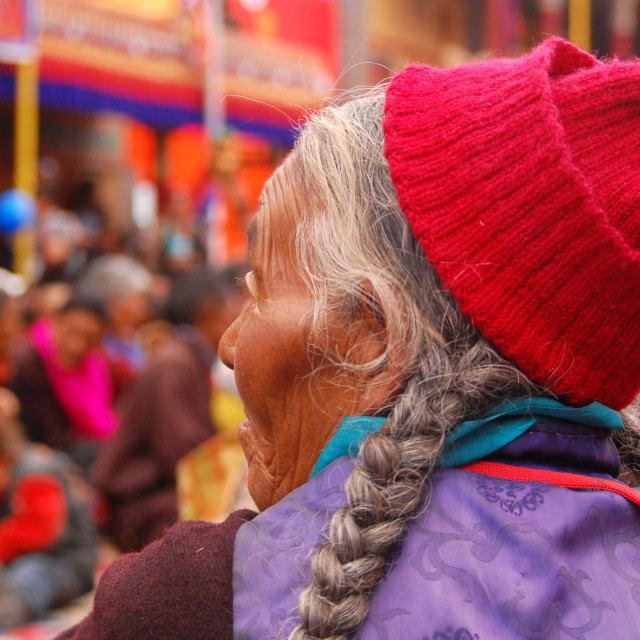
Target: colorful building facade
pixel 123 87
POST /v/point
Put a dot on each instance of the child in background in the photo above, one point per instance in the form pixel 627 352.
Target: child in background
pixel 47 539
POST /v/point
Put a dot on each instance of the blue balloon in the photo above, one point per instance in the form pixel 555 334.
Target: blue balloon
pixel 17 210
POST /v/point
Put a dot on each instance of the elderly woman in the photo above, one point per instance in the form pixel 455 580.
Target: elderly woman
pixel 442 274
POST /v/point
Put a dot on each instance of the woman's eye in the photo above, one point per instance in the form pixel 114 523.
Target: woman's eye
pixel 250 281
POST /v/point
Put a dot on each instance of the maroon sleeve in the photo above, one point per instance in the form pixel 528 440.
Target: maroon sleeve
pixel 181 411
pixel 177 587
pixel 164 416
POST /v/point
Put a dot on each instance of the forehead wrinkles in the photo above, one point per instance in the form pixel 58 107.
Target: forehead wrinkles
pixel 279 214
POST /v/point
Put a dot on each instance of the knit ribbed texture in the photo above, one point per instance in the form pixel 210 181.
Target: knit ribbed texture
pixel 521 179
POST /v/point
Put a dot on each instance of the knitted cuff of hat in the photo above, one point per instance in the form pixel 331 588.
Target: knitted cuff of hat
pixel 521 179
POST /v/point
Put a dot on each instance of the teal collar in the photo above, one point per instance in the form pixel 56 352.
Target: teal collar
pixel 475 439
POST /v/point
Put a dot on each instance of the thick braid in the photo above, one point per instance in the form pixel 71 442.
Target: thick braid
pixel 381 494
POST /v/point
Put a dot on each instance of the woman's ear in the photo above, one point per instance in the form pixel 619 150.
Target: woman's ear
pixel 379 360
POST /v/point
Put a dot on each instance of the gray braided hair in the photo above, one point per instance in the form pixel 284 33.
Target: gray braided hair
pixel 356 248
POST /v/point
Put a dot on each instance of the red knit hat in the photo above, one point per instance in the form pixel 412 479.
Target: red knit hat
pixel 521 179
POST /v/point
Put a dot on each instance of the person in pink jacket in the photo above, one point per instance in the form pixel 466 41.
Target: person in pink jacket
pixel 63 382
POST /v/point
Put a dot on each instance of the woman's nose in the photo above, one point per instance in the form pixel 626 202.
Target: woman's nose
pixel 227 345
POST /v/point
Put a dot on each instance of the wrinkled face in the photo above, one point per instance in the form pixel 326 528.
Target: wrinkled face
pixel 77 331
pixel 293 403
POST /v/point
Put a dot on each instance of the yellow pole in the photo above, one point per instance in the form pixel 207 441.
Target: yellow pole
pixel 580 23
pixel 26 158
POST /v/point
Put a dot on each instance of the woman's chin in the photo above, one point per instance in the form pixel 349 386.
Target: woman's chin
pixel 260 482
pixel 243 431
pixel 247 439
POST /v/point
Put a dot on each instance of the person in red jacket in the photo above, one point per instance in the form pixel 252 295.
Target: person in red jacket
pixel 47 539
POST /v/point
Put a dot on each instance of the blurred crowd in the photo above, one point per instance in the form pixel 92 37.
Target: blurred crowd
pixel 115 413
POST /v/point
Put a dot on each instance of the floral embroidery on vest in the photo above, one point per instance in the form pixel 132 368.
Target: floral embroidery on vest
pixel 513 497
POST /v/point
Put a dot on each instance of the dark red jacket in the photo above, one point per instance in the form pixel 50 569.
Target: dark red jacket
pixel 177 588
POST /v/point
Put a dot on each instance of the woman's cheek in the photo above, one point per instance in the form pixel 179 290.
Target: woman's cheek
pixel 247 361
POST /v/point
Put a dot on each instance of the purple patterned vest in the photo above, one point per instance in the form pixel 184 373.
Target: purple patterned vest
pixel 489 559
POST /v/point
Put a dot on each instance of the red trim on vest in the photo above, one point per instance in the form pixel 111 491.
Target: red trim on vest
pixel 568 480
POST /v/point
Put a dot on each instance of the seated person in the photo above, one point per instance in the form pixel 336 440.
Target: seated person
pixel 47 539
pixel 63 382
